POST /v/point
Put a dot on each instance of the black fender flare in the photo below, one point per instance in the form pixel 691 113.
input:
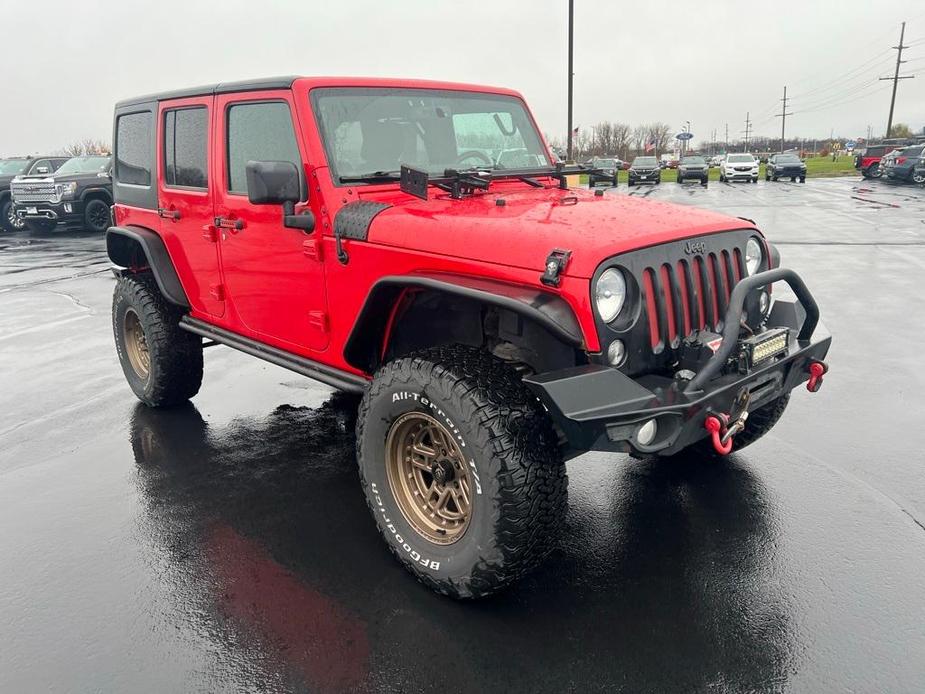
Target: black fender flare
pixel 98 190
pixel 549 310
pixel 132 247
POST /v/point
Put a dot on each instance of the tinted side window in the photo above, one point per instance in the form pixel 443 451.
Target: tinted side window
pixel 185 134
pixel 258 132
pixel 133 149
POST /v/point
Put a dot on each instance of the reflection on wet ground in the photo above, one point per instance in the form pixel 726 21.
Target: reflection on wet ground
pixel 225 546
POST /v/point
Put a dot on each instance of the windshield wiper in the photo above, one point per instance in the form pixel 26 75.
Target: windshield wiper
pixel 372 177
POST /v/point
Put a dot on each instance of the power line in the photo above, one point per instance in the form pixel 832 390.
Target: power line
pixel 834 104
pixel 896 77
pixel 783 118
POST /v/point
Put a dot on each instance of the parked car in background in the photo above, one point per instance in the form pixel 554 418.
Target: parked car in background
pixel 607 165
pixel 785 165
pixel 693 167
pixel 867 160
pixel 18 166
pixel 739 167
pixel 78 194
pixel 645 169
pixel 900 165
pixel 716 160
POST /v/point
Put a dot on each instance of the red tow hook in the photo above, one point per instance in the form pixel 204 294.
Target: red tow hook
pixel 716 427
pixel 816 371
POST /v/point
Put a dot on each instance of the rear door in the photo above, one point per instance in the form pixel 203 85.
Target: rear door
pixel 185 204
pixel 275 285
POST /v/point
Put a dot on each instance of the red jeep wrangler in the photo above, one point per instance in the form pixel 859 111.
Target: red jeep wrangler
pixel 380 236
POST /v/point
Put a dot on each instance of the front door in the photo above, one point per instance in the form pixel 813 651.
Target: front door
pixel 276 289
pixel 185 206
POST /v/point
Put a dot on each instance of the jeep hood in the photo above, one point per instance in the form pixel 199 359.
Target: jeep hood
pixel 521 231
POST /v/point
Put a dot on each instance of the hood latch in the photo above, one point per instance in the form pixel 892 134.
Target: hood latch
pixel 555 266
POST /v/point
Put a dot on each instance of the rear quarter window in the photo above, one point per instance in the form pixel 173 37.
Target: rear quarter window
pixel 133 148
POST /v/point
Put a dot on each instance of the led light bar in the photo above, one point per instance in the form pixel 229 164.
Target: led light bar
pixel 760 348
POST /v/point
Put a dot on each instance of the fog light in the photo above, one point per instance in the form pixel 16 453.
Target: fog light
pixel 645 434
pixel 764 303
pixel 616 353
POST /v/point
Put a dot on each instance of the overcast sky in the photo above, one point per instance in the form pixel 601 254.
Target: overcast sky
pixel 708 61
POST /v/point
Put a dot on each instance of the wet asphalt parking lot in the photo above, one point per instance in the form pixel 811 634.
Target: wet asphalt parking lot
pixel 225 546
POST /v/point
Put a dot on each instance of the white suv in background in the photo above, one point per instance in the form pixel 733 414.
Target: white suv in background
pixel 739 167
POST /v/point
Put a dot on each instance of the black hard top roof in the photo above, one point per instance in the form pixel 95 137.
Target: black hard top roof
pixel 206 90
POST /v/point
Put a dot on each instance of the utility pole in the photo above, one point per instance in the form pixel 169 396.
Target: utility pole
pixel 783 119
pixel 747 131
pixel 571 74
pixel 896 77
pixel 726 141
pixel 713 143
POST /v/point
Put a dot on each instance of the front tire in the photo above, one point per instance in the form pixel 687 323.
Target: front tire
pixel 96 216
pixel 873 171
pixel 8 219
pixel 918 178
pixel 161 362
pixel 461 470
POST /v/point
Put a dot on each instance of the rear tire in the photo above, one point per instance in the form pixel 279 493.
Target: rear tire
pixel 873 171
pixel 161 361
pixel 918 178
pixel 442 421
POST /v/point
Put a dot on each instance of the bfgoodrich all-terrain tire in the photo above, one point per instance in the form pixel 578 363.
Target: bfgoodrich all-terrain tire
pixel 759 423
pixel 461 469
pixel 162 363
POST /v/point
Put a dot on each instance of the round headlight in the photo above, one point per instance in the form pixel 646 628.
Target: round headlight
pixel 753 256
pixel 610 294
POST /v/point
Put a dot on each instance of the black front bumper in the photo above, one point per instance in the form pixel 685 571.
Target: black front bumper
pixel 68 212
pixel 601 408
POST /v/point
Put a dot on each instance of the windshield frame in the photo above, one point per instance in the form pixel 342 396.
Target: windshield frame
pixel 740 158
pixel 696 159
pixel 651 161
pixel 316 93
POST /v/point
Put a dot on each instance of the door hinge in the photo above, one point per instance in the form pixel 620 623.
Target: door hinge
pixel 318 319
pixel 217 291
pixel 312 249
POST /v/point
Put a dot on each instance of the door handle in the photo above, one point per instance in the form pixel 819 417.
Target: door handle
pixel 232 224
pixel 166 213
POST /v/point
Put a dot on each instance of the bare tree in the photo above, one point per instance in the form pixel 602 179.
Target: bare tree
pixel 638 138
pixel 660 134
pixel 621 139
pixel 87 147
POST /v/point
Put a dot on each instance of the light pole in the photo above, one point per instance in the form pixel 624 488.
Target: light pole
pixel 571 18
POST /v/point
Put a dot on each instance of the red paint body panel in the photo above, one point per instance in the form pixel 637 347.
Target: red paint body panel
pixel 271 284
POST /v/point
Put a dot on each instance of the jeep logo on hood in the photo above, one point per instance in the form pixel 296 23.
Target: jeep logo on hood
pixel 695 247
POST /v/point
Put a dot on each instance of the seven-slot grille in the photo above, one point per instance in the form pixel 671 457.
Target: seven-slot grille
pixel 33 191
pixel 690 294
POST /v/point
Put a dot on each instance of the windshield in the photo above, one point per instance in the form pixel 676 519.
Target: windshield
pixel 741 158
pixel 645 161
pixel 84 165
pixel 605 163
pixel 10 167
pixel 787 159
pixel 693 161
pixel 368 131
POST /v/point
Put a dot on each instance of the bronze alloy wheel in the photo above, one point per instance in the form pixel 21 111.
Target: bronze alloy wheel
pixel 429 477
pixel 136 345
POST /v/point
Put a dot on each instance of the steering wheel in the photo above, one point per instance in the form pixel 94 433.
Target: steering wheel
pixel 473 154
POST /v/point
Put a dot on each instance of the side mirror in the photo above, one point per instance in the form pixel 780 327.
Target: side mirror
pixel 273 183
pixel 278 183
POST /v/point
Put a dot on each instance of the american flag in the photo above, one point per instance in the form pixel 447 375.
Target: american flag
pixel 650 145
